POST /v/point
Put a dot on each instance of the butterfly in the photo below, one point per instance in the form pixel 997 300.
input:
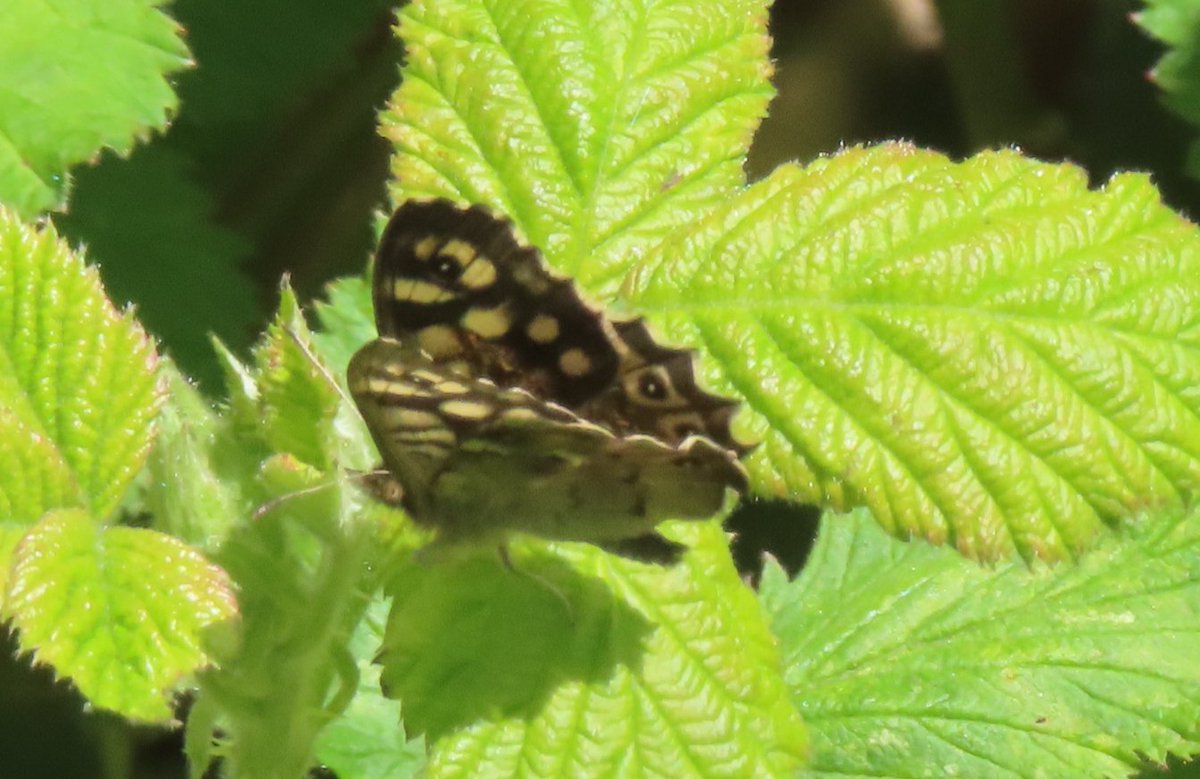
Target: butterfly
pixel 501 402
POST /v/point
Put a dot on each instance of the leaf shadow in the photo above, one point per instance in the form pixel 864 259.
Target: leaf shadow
pixel 471 640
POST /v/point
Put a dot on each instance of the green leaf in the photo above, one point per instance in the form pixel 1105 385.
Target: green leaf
pixel 242 397
pixel 367 741
pixel 190 493
pixel 301 405
pixel 304 573
pixel 347 321
pixel 590 665
pixel 305 564
pixel 58 107
pixel 905 658
pixel 78 385
pixel 598 127
pixel 120 611
pixel 299 401
pixel 11 534
pixel 1177 24
pixel 986 354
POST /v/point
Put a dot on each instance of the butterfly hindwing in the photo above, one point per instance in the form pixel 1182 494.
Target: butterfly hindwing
pixel 655 393
pixel 475 460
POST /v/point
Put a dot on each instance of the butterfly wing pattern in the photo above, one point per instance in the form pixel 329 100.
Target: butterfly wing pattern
pixel 501 402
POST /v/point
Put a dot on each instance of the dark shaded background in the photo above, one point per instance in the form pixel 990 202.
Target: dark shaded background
pixel 273 166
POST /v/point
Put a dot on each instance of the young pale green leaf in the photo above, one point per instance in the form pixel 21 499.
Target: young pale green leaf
pixel 300 404
pixel 584 664
pixel 1177 24
pixel 242 396
pixel 906 659
pixel 11 534
pixel 120 611
pixel 598 127
pixel 57 108
pixel 78 384
pixel 347 322
pixel 299 401
pixel 187 494
pixel 367 740
pixel 985 354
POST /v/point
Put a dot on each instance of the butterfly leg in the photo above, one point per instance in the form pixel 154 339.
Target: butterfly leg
pixel 436 552
pixel 541 581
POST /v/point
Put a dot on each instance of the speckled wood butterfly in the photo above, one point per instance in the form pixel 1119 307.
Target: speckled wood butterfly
pixel 501 402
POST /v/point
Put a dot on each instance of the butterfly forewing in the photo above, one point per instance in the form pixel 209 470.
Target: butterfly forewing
pixel 458 282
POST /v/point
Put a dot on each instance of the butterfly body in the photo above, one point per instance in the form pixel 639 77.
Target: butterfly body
pixel 501 402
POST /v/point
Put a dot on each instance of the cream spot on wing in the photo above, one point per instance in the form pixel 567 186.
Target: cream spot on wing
pixel 531 277
pixel 402 289
pixel 452 388
pixel 522 414
pixel 380 387
pixel 393 370
pixel 542 329
pixel 429 378
pixel 427 435
pixel 487 322
pixel 439 341
pixel 465 409
pixel 480 274
pixel 414 419
pixel 461 368
pixel 424 292
pixel 574 362
pixel 424 248
pixel 458 250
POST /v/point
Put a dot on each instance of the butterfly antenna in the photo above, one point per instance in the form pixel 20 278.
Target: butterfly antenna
pixel 320 366
pixel 274 503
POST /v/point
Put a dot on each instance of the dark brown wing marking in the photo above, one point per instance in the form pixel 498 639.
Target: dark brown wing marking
pixel 656 393
pixel 457 280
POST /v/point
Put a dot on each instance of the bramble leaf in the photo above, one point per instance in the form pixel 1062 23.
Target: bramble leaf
pixel 59 108
pixel 299 402
pixel 347 321
pixel 598 127
pixel 190 493
pixel 78 383
pixel 596 667
pixel 305 560
pixel 902 656
pixel 1177 24
pixel 120 611
pixel 986 354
